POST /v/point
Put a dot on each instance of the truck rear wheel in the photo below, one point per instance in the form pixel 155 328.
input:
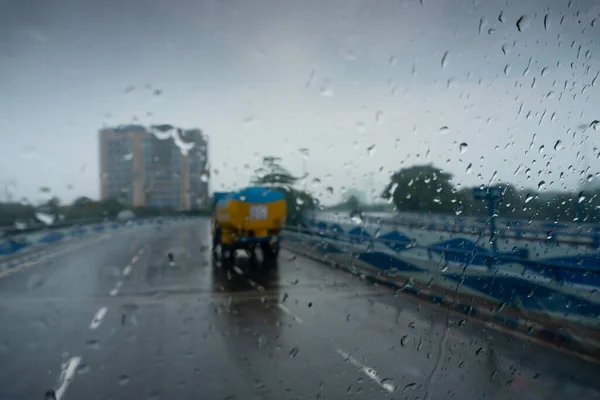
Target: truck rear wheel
pixel 227 253
pixel 270 251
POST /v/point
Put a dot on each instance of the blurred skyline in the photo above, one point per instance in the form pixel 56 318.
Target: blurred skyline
pixel 366 87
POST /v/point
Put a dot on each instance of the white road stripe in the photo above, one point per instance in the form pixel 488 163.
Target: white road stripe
pixel 127 270
pixel 98 318
pixel 370 372
pixel 115 291
pixel 288 312
pixel 66 376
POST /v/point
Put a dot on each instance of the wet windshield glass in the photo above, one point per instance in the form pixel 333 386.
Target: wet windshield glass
pixel 293 200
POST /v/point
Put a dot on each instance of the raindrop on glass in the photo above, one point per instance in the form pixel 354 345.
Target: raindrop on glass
pixel 541 185
pixel 123 380
pixel 523 23
pixel 294 352
pixel 445 60
pixel 404 340
pixel 558 145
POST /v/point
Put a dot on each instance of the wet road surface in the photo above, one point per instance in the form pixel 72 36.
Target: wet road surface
pixel 115 318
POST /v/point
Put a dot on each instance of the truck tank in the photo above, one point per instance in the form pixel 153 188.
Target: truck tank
pixel 249 218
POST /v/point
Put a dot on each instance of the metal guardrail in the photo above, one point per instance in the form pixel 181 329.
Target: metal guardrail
pixel 493 258
pixel 508 230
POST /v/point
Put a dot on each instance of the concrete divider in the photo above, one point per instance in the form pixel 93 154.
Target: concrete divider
pixel 555 299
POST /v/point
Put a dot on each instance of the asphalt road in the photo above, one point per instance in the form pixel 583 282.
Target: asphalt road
pixel 114 318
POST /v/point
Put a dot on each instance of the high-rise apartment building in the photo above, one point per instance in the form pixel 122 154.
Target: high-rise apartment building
pixel 159 166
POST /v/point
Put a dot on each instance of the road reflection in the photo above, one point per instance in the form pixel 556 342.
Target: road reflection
pixel 247 295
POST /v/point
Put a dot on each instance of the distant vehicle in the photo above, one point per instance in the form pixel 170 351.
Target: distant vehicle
pixel 248 219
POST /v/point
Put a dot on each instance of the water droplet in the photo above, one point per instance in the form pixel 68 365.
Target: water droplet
pixel 541 149
pixel 546 21
pixel 581 197
pixel 445 60
pixel 506 69
pixel 541 185
pixel 388 385
pixel 404 340
pixel 204 176
pixel 482 24
pixel 501 17
pixel 469 168
pixel 153 395
pixel 329 190
pixel 523 23
pixel 46 218
pixel 299 201
pixel 463 147
pixel 529 197
pixel 371 150
pixel 356 219
pixel 595 124
pixel 83 369
pixel 294 352
pixel 590 177
pixel 558 145
pixel 444 130
pixel 123 380
pixel 157 92
pixel 327 89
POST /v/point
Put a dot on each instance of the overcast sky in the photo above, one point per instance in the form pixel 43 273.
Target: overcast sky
pixel 272 77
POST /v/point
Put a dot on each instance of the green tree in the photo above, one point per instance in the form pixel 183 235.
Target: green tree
pixel 422 188
pixel 353 203
pixel 273 174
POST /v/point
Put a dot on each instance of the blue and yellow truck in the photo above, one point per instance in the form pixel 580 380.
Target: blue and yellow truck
pixel 248 219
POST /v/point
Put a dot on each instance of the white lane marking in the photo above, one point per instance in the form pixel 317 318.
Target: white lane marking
pixel 288 312
pixel 98 318
pixel 115 291
pixel 66 376
pixel 238 270
pixel 135 259
pixel 370 372
pixel 127 270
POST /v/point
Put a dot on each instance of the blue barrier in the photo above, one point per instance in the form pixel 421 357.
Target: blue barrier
pixel 51 237
pixel 11 246
pixel 518 291
pixel 507 228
